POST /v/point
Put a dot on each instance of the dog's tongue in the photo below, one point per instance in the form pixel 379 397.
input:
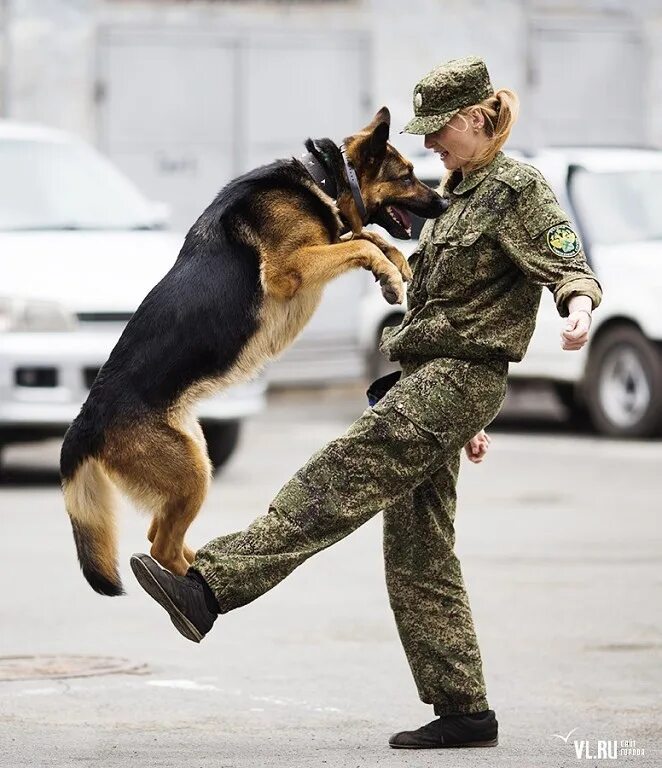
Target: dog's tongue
pixel 402 216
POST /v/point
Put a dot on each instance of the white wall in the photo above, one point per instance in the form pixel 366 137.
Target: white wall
pixel 52 65
pixel 412 38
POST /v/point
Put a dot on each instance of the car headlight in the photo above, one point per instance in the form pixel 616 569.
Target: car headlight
pixel 27 315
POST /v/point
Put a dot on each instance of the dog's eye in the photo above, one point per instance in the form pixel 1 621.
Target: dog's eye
pixel 406 180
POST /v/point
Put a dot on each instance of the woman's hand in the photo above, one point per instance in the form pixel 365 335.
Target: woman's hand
pixel 575 333
pixel 477 447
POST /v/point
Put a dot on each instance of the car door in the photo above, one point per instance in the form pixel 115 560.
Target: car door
pixel 545 358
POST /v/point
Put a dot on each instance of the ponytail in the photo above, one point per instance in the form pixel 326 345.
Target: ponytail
pixel 500 113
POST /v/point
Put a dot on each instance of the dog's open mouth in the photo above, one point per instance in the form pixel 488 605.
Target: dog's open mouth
pixel 400 216
pixel 395 220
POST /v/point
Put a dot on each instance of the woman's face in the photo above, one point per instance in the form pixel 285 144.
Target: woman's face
pixel 459 140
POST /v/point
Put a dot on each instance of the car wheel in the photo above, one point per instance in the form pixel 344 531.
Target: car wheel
pixel 222 440
pixel 624 384
pixel 378 364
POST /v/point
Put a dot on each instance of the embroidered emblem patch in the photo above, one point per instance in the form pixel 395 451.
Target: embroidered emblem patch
pixel 563 241
pixel 418 100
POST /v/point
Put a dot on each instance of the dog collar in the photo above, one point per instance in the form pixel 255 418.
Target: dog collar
pixel 353 181
pixel 321 176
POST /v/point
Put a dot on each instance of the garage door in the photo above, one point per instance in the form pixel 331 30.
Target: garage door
pixel 166 117
pixel 182 112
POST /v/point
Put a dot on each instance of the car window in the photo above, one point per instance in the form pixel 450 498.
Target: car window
pixel 619 206
pixel 57 185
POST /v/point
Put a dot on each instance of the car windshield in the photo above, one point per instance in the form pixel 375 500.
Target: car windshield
pixel 57 185
pixel 619 206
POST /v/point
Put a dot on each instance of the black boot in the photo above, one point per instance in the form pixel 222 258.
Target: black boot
pixel 191 609
pixel 475 730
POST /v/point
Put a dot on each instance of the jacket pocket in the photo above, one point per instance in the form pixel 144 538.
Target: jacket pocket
pixel 416 262
pixel 454 261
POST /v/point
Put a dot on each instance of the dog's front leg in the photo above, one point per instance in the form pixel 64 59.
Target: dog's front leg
pixel 317 264
pixel 390 251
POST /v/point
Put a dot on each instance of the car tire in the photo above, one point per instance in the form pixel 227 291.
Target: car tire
pixel 222 440
pixel 623 384
pixel 377 364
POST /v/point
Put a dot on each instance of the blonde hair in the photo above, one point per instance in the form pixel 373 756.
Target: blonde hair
pixel 500 113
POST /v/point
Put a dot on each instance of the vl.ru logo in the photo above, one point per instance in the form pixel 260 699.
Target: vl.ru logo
pixel 602 749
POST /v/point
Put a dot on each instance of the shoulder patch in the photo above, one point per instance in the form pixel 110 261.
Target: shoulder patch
pixel 562 240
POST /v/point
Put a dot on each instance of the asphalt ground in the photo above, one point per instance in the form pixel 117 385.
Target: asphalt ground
pixel 559 536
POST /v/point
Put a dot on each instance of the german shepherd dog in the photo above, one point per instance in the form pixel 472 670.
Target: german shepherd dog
pixel 248 277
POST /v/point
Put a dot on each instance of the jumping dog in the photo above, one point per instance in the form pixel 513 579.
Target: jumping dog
pixel 249 275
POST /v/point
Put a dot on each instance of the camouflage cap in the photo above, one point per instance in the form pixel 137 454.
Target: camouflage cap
pixel 443 92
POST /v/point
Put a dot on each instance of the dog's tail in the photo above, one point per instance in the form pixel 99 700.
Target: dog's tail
pixel 89 499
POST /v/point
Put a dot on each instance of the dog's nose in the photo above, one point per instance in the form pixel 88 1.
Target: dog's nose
pixel 439 205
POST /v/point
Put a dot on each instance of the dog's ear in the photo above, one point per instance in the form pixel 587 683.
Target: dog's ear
pixel 382 116
pixel 379 130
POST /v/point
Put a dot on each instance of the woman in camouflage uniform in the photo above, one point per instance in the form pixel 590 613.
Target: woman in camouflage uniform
pixel 472 305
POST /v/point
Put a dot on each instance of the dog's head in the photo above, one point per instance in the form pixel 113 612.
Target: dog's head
pixel 386 178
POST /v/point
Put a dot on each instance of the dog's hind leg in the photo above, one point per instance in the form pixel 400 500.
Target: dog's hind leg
pixel 178 513
pixel 153 528
pixel 189 478
pixel 165 469
pixel 188 553
pixel 192 427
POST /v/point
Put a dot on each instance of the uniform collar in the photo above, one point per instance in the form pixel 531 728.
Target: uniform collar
pixel 474 178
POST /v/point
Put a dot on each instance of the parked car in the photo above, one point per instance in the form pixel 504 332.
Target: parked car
pixel 614 197
pixel 79 249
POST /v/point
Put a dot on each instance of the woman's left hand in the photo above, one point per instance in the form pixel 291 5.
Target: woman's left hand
pixel 477 447
pixel 575 332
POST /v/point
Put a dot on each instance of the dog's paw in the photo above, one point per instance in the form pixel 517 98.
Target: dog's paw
pixel 393 289
pixel 399 261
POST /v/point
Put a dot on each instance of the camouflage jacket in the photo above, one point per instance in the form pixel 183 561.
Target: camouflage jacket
pixel 480 267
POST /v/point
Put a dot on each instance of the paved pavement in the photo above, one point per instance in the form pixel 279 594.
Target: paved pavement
pixel 559 536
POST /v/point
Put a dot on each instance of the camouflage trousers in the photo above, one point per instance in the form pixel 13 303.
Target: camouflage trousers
pixel 401 456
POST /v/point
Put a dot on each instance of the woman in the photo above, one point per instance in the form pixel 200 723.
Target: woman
pixel 472 305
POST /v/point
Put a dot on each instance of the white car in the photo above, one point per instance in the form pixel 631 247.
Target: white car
pixel 614 197
pixel 79 249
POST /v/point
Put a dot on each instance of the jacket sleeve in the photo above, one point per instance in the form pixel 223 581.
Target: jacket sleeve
pixel 538 236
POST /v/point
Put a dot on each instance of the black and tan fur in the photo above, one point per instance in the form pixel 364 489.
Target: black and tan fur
pixel 249 275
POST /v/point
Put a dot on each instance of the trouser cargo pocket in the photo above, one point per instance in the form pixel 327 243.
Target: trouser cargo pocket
pixel 451 398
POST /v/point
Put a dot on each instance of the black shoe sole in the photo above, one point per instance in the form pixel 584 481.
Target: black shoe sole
pixel 149 583
pixel 492 743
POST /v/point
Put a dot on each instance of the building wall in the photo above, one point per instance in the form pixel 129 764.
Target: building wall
pixel 51 64
pixel 412 38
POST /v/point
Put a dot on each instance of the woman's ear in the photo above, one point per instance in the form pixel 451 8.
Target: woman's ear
pixel 477 119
